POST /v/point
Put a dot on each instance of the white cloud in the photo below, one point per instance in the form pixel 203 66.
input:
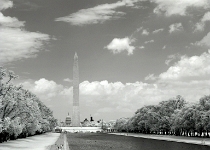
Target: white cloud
pixel 151 41
pixel 15 42
pixel 201 25
pixel 67 80
pixel 178 7
pixel 137 95
pixel 150 77
pixel 164 47
pixel 141 47
pixel 170 58
pixel 104 12
pixel 139 29
pixel 145 32
pixel 119 45
pixel 102 87
pixel 204 41
pixel 136 31
pixel 116 95
pixel 189 67
pixel 101 94
pixel 175 27
pixel 179 79
pixel 44 88
pixel 4 4
pixel 97 14
pixel 10 21
pixel 188 77
pixel 206 17
pixel 158 30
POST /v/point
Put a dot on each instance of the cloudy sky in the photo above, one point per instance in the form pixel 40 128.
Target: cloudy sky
pixel 131 52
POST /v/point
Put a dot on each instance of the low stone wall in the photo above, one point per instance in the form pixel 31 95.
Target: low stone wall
pixel 81 129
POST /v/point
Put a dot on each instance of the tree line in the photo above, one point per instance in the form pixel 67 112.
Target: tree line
pixel 22 114
pixel 172 117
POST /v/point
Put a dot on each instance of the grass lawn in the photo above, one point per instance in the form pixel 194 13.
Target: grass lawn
pixel 102 141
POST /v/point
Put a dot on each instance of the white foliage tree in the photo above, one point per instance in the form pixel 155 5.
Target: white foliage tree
pixel 21 112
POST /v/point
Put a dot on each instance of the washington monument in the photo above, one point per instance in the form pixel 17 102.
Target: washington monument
pixel 76 112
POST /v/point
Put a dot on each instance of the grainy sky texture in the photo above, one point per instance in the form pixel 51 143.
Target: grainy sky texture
pixel 131 52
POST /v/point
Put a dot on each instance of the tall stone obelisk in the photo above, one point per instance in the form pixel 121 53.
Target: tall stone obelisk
pixel 76 112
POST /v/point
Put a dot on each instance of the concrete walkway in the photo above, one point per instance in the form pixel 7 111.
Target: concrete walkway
pixel 37 142
pixel 192 140
pixel 61 143
pixel 66 144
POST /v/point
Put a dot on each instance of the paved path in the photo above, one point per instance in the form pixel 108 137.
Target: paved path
pixel 61 143
pixel 66 144
pixel 38 142
pixel 192 140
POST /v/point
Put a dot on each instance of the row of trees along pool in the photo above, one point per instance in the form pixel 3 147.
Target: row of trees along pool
pixel 172 117
pixel 22 114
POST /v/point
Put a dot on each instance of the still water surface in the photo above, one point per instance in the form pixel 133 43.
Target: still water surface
pixel 119 142
pixel 151 144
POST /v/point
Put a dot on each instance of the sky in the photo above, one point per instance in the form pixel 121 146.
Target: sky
pixel 131 53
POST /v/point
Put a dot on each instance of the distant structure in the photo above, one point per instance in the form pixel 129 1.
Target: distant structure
pixel 76 112
pixel 68 121
pixel 75 126
pixel 91 118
